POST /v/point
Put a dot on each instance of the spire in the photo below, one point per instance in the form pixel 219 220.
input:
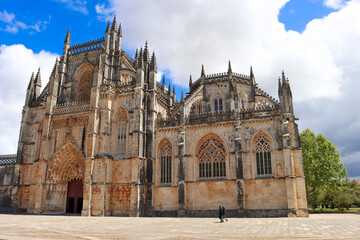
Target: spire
pixel 283 77
pixel 108 28
pixel 153 65
pixel 113 26
pixel 169 89
pixel 202 71
pixel 140 60
pixel 182 96
pixel 67 38
pixel 163 83
pixel 229 67
pixel 31 82
pixel 136 54
pixel 146 52
pixel 120 31
pixel 190 82
pixel 38 78
pixel 55 69
pixel 174 90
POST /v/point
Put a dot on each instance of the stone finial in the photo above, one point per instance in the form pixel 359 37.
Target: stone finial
pixel 283 77
pixel 163 83
pixel 190 82
pixel 169 89
pixel 113 26
pixel 153 65
pixel 174 90
pixel 120 31
pixel 31 81
pixel 136 54
pixel 67 38
pixel 182 96
pixel 202 71
pixel 229 67
pixel 107 28
pixel 146 52
pixel 38 78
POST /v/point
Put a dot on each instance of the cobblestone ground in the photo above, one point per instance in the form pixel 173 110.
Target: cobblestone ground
pixel 317 226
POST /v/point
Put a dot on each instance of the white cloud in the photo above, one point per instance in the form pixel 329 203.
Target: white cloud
pixel 13 26
pixel 322 63
pixel 334 4
pixel 16 65
pixel 75 5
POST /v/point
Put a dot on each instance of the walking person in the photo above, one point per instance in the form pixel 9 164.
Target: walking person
pixel 223 214
pixel 220 214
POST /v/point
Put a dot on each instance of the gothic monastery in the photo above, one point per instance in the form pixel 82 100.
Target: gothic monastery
pixel 104 138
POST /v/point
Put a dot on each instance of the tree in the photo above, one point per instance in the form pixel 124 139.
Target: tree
pixel 322 167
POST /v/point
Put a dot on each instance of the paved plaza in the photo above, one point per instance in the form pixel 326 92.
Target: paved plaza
pixel 317 226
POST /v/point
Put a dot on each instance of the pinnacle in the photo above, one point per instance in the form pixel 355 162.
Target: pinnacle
pixel 113 26
pixel 67 38
pixel 202 71
pixel 153 65
pixel 108 28
pixel 120 31
pixel 229 67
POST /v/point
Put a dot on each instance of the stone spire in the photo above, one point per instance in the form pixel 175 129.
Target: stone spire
pixel 190 82
pixel 113 26
pixel 153 65
pixel 229 67
pixel 182 96
pixel 107 30
pixel 37 83
pixel 67 38
pixel 169 90
pixel 30 91
pixel 140 60
pixel 285 95
pixel 136 54
pixel 253 85
pixel 119 31
pixel 31 82
pixel 146 53
pixel 163 83
pixel 202 71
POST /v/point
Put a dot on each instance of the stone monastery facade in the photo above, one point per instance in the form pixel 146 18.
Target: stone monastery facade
pixel 105 138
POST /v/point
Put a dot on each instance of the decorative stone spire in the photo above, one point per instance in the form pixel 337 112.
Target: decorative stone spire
pixel 55 68
pixel 229 67
pixel 182 96
pixel 169 90
pixel 146 53
pixel 31 82
pixel 37 83
pixel 136 54
pixel 108 28
pixel 113 26
pixel 153 65
pixel 140 59
pixel 253 84
pixel 67 38
pixel 163 83
pixel 190 82
pixel 252 77
pixel 285 95
pixel 120 31
pixel 174 90
pixel 202 71
pixel 282 77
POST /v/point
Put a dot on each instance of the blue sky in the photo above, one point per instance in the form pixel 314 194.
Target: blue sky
pixel 314 41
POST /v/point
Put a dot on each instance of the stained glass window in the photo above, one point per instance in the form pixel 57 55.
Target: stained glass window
pixel 165 158
pixel 211 158
pixel 263 156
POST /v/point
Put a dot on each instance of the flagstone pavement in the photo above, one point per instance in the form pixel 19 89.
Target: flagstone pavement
pixel 317 226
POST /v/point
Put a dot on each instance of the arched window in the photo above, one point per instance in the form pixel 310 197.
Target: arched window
pixel 165 158
pixel 218 104
pixel 211 157
pixel 121 134
pixel 84 89
pixel 263 156
pixel 196 107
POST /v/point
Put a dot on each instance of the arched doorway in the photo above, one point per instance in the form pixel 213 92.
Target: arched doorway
pixel 74 200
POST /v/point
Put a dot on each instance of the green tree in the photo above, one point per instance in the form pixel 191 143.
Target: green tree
pixel 322 167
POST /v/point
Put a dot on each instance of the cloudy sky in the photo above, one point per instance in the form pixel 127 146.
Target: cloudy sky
pixel 316 43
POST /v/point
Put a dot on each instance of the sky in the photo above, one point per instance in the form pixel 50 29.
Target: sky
pixel 316 43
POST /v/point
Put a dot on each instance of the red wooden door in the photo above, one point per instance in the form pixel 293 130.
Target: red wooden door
pixel 74 196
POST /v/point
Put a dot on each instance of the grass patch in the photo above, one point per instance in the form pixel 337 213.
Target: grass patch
pixel 329 210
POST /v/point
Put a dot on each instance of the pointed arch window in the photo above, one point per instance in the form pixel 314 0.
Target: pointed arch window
pixel 121 134
pixel 165 158
pixel 263 156
pixel 84 89
pixel 211 157
pixel 218 104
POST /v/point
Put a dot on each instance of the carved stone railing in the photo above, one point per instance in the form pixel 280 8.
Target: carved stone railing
pixel 86 46
pixel 210 117
pixel 71 107
pixel 259 112
pixel 8 159
pixel 168 122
